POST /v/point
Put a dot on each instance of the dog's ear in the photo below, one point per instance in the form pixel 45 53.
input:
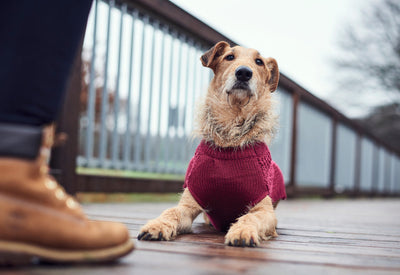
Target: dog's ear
pixel 208 59
pixel 272 65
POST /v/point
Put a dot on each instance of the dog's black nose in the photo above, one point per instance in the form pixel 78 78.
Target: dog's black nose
pixel 243 73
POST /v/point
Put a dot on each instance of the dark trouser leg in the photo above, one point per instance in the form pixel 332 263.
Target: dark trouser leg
pixel 39 40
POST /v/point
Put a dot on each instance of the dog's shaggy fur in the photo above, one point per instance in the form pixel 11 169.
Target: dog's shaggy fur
pixel 235 113
pixel 226 127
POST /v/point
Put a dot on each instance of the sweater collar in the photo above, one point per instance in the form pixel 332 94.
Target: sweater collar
pixel 255 150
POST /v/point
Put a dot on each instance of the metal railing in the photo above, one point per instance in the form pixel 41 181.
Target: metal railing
pixel 144 78
pixel 154 76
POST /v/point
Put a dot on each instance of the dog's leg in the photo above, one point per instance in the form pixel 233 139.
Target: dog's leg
pixel 258 224
pixel 172 221
pixel 206 219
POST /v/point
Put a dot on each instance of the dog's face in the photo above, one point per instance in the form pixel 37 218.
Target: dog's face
pixel 241 74
pixel 237 110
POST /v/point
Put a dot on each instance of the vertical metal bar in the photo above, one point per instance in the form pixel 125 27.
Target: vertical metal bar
pixel 167 137
pixel 198 81
pixel 357 166
pixel 115 138
pixel 104 99
pixel 392 174
pixel 386 180
pixel 333 157
pixel 184 148
pixel 194 83
pixel 127 142
pixel 396 177
pixel 160 142
pixel 139 117
pixel 149 144
pixel 292 182
pixel 396 174
pixel 175 143
pixel 375 169
pixel 91 95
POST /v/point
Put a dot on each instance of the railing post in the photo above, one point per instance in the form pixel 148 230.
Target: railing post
pixel 63 162
pixel 386 178
pixel 357 167
pixel 375 170
pixel 291 188
pixel 333 157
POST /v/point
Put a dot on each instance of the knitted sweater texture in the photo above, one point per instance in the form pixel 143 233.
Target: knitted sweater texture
pixel 227 182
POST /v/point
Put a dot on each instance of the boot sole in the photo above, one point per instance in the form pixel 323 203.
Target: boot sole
pixel 14 253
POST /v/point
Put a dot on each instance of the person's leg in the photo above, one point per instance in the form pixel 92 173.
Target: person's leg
pixel 38 220
pixel 39 40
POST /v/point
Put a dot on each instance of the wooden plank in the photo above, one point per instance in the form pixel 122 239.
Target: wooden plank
pixel 178 264
pixel 277 255
pixel 320 236
pixel 143 262
pixel 89 183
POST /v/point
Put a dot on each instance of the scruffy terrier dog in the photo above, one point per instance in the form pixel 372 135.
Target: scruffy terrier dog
pixel 231 176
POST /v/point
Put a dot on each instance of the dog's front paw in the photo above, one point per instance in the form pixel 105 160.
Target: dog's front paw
pixel 158 230
pixel 242 235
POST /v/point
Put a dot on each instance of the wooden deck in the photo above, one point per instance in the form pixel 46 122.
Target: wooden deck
pixel 360 236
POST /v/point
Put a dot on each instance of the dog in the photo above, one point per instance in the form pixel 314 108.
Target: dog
pixel 231 177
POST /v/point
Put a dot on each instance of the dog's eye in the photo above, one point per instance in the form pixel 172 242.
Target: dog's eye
pixel 229 57
pixel 259 62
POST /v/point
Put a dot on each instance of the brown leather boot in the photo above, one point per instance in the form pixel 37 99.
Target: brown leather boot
pixel 38 220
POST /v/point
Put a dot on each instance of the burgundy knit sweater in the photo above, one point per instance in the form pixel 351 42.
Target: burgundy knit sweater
pixel 227 182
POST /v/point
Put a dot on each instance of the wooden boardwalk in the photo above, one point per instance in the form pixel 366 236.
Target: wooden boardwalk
pixel 360 236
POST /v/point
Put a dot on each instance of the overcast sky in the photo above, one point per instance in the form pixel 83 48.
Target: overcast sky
pixel 301 35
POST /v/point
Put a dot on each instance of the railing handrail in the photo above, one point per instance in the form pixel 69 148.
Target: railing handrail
pixel 166 11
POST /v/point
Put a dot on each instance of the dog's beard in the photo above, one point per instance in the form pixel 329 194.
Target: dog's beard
pixel 239 93
pixel 238 98
pixel 237 132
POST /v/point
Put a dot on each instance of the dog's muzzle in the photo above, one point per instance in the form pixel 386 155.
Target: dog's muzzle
pixel 241 89
pixel 243 75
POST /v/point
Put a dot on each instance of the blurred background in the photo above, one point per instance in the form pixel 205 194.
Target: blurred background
pixel 338 98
